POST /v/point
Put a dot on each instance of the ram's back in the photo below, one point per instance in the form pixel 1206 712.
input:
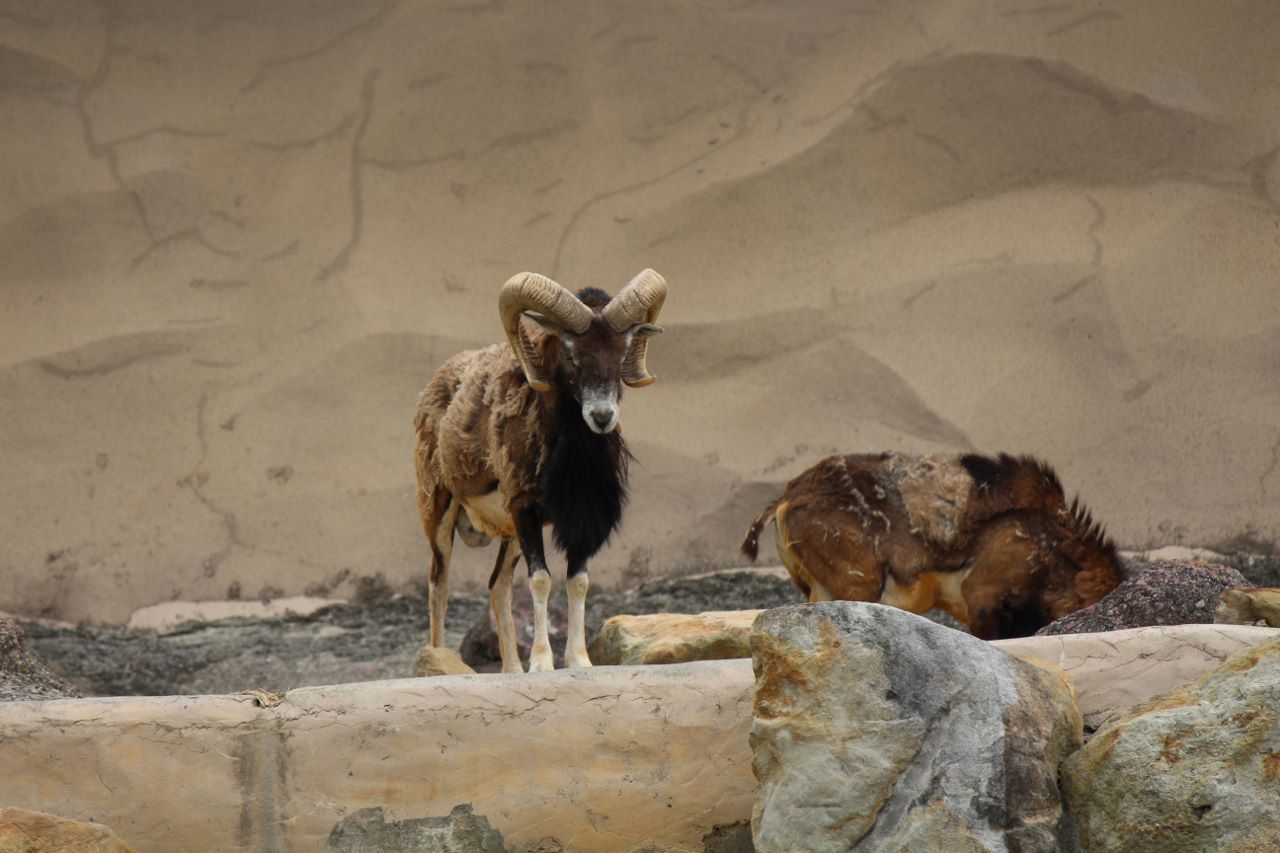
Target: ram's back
pixel 474 419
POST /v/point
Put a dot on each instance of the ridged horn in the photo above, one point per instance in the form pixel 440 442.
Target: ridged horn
pixel 528 291
pixel 638 302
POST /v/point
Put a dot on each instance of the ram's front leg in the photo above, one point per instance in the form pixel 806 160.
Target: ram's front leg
pixel 575 646
pixel 529 529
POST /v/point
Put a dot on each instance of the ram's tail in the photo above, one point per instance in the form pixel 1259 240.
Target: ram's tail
pixel 751 544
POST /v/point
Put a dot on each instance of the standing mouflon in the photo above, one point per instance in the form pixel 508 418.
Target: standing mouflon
pixel 514 437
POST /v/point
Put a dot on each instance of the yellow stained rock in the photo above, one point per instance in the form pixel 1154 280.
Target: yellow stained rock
pixel 674 637
pixel 24 831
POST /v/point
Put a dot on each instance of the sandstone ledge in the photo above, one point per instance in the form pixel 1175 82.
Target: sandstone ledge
pixel 611 758
pixel 1114 670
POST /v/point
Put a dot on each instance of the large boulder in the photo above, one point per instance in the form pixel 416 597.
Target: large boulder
pixel 1195 769
pixel 1249 606
pixel 22 674
pixel 24 831
pixel 875 729
pixel 1170 592
pixel 674 637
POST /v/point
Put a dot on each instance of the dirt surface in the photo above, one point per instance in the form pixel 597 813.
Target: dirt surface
pixel 343 643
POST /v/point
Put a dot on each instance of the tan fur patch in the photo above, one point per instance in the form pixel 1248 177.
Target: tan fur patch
pixel 488 514
pixel 935 491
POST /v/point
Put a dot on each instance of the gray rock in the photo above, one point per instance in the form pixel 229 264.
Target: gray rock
pixel 733 838
pixel 878 730
pixel 1170 592
pixel 368 831
pixel 1193 770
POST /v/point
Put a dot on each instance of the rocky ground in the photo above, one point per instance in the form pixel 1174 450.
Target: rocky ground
pixel 377 636
pixel 22 674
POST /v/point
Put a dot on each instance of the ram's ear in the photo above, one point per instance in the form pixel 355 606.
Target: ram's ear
pixel 634 372
pixel 541 340
pixel 644 330
pixel 548 325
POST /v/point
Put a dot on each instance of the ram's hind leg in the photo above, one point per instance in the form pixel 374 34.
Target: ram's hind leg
pixel 440 513
pixel 791 561
pixel 500 604
pixel 825 556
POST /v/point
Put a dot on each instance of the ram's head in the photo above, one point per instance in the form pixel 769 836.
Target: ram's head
pixel 597 343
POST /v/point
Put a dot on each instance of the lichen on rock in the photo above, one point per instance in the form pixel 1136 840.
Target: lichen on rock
pixel 1195 769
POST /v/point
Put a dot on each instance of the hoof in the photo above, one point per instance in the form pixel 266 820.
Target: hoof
pixel 541 662
pixel 577 661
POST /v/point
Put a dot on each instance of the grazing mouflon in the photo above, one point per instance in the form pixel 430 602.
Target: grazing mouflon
pixel 992 541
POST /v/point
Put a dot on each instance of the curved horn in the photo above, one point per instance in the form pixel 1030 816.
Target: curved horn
pixel 638 302
pixel 528 291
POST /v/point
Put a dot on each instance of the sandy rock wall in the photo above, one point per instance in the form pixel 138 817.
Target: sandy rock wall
pixel 236 240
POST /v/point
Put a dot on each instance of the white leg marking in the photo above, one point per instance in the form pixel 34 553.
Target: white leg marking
pixel 438 587
pixel 500 604
pixel 540 659
pixel 575 647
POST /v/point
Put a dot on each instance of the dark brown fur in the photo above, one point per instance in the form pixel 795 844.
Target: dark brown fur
pixel 991 540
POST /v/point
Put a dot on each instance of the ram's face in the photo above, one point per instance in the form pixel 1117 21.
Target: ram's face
pixel 592 363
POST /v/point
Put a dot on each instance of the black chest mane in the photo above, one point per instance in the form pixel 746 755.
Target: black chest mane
pixel 583 483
